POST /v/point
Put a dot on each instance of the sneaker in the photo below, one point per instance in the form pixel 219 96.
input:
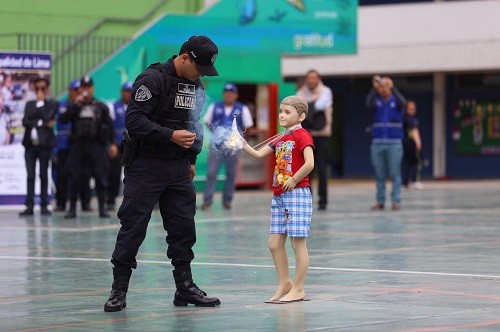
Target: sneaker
pixel 45 211
pixel 206 206
pixel 418 185
pixel 396 207
pixel 227 206
pixel 377 207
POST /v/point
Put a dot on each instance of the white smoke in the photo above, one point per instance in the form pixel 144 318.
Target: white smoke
pixel 227 141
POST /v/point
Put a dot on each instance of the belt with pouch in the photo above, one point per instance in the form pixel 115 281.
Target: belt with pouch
pixel 157 150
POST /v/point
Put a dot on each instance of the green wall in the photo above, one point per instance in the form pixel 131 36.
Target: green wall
pixel 250 51
pixel 75 17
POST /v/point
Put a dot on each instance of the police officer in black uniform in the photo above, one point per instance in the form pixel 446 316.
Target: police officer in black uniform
pixel 163 115
pixel 92 136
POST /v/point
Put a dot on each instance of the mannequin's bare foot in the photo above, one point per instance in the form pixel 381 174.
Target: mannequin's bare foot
pixel 282 290
pixel 293 295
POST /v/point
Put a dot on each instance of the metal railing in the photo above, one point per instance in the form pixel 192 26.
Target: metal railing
pixel 72 55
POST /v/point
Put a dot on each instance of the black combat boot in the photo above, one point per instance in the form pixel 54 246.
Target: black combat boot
pixel 187 291
pixel 118 298
pixel 71 212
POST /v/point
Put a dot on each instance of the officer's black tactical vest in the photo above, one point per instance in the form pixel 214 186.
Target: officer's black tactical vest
pixel 179 108
pixel 88 121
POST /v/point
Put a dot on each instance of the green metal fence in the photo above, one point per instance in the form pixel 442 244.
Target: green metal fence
pixel 72 55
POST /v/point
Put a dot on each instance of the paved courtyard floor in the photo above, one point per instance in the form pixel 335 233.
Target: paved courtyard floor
pixel 432 266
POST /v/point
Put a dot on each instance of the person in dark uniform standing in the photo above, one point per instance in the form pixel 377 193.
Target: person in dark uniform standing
pixel 63 131
pixel 115 165
pixel 164 115
pixel 91 134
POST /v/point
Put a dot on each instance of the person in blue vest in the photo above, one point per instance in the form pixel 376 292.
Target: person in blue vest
pixel 63 131
pixel 222 114
pixel 387 105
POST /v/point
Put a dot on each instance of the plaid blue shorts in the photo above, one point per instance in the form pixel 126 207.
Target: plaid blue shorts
pixel 291 213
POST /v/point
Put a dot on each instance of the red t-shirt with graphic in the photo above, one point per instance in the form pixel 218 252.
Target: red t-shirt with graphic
pixel 289 153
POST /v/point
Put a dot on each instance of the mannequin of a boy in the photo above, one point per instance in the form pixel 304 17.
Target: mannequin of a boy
pixel 288 291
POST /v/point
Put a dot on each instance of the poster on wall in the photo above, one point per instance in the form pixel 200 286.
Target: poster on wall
pixel 17 71
pixel 476 127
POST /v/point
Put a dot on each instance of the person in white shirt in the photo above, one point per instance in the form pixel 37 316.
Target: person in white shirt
pixel 319 123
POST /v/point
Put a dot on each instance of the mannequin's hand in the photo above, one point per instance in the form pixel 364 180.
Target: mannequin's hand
pixel 289 184
pixel 235 141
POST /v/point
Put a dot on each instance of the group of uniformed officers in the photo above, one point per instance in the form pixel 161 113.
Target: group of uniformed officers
pixel 90 133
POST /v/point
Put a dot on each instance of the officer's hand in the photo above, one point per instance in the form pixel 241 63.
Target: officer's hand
pixel 183 138
pixel 113 151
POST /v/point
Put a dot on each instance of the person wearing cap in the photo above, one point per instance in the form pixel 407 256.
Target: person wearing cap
pixel 63 131
pixel 164 116
pixel 38 141
pixel 221 115
pixel 91 135
pixel 117 111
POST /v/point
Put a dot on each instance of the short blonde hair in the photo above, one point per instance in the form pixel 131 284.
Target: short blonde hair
pixel 299 103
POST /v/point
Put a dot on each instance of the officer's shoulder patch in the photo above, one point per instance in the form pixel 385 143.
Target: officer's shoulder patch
pixel 143 94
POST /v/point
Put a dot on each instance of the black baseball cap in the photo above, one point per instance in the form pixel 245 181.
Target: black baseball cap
pixel 203 52
pixel 86 81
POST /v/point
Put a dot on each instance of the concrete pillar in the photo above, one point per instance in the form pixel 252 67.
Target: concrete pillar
pixel 439 126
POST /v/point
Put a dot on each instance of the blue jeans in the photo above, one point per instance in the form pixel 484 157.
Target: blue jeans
pixel 214 163
pixel 386 160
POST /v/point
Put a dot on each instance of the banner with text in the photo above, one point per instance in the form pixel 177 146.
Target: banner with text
pixel 17 71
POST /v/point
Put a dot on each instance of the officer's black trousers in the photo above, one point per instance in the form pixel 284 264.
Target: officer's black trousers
pixel 114 179
pixel 148 181
pixel 62 182
pixel 84 154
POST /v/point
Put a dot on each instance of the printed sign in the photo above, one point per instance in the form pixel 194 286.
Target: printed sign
pixel 17 71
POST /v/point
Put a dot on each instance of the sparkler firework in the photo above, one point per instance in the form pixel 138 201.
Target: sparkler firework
pixel 229 141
